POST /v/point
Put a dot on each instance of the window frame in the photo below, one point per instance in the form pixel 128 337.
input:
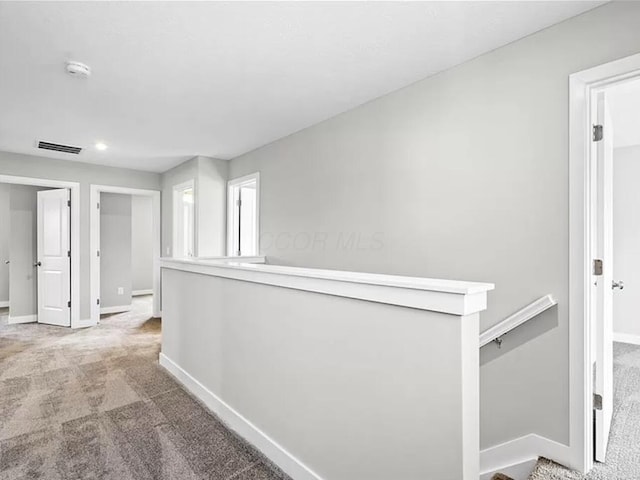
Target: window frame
pixel 232 210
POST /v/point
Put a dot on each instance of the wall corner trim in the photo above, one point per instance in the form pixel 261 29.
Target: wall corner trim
pixel 520 450
pixel 243 427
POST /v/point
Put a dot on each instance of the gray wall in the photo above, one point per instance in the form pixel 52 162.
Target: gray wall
pixel 212 204
pixel 85 174
pixel 210 179
pixel 381 387
pixel 462 175
pixel 115 250
pixel 141 242
pixel 23 250
pixel 626 239
pixel 4 241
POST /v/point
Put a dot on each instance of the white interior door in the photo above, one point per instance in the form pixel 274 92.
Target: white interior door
pixel 603 325
pixel 54 258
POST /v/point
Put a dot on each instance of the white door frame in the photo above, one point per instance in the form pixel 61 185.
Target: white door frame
pixel 582 86
pixel 94 243
pixel 74 187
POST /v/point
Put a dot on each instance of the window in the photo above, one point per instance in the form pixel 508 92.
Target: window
pixel 243 195
pixel 184 220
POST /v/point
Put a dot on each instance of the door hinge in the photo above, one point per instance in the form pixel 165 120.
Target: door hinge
pixel 239 203
pixel 98 301
pixel 598 133
pixel 97 253
pixel 69 253
pixel 597 267
pixel 98 205
pixel 68 203
pixel 69 304
pixel 597 401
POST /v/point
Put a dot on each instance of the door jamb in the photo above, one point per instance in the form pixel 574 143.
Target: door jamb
pixel 94 243
pixel 74 188
pixel 581 175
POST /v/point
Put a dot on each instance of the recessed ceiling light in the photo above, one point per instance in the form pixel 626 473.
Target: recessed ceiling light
pixel 101 146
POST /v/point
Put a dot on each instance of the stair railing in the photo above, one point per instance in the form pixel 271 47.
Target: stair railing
pixel 495 333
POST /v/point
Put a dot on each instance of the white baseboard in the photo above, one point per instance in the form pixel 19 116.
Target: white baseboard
pixel 252 434
pixel 626 338
pixel 22 319
pixel 137 293
pixel 4 303
pixel 522 450
pixel 521 471
pixel 87 322
pixel 116 309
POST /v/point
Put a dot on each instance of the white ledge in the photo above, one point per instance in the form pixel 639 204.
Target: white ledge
pixel 445 296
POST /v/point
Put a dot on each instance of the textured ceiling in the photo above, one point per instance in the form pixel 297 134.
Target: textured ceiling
pixel 176 79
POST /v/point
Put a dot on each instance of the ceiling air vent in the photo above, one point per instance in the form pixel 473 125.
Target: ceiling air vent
pixel 56 147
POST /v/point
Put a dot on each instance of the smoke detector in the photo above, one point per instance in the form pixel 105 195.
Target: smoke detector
pixel 78 69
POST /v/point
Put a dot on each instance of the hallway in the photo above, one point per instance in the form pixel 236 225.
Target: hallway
pixel 93 403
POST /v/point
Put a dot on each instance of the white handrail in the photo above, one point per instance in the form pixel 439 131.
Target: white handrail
pixel 521 316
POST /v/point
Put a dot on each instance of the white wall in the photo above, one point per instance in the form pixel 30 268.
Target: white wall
pixel 210 179
pixel 4 242
pixel 626 239
pixel 481 148
pixel 115 250
pixel 85 174
pixel 141 243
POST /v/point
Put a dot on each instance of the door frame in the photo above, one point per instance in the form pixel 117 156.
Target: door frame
pixel 74 188
pixel 94 242
pixel 582 177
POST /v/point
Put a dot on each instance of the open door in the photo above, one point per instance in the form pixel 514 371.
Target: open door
pixel 603 280
pixel 54 258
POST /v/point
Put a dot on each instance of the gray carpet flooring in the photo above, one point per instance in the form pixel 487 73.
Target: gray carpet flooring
pixel 623 453
pixel 94 404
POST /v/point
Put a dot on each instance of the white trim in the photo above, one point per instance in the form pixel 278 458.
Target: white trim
pixel 4 303
pixel 446 296
pixel 626 338
pixel 137 293
pixel 231 209
pixel 94 243
pixel 115 309
pixel 521 450
pixel 74 187
pixel 22 319
pixel 581 87
pixel 233 419
pixel 521 316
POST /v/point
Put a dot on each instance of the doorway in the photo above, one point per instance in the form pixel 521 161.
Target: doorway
pixel 39 250
pixel 595 289
pixel 125 250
